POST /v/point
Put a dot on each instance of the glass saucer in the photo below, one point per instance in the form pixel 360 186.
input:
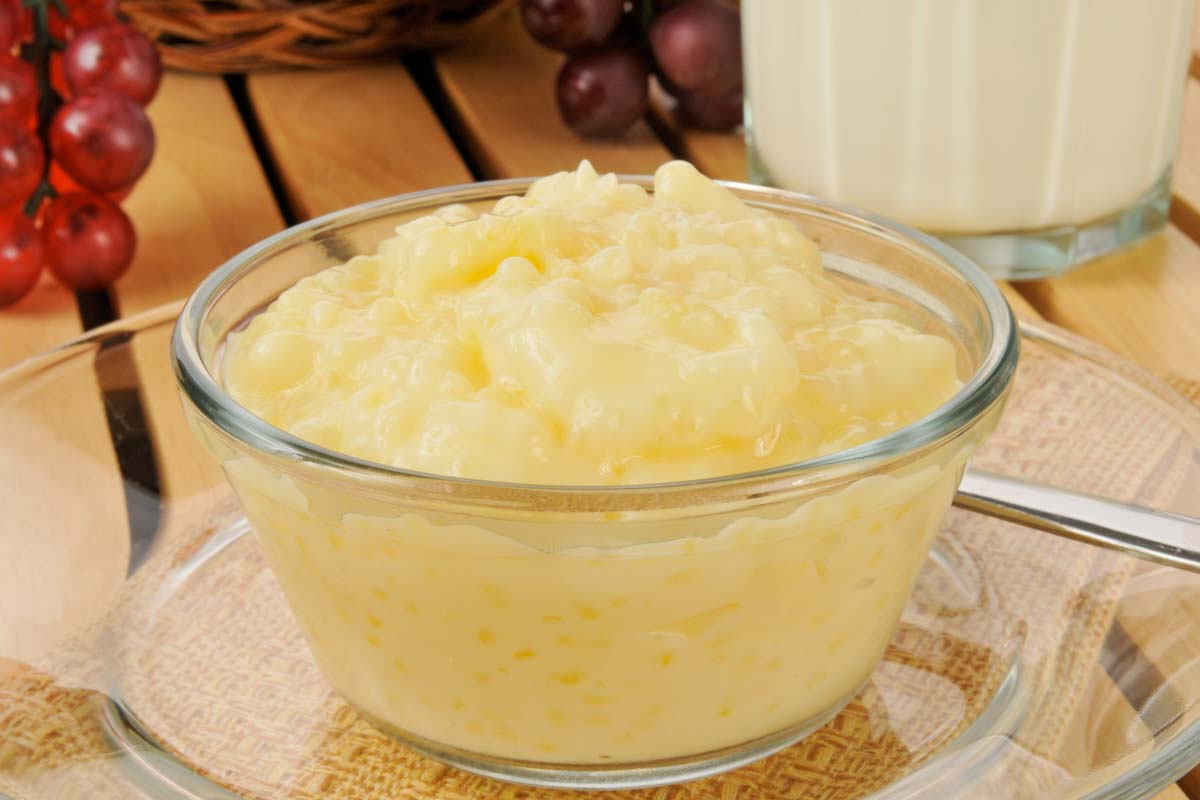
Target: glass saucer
pixel 145 649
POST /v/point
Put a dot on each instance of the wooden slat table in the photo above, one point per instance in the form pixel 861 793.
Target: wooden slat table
pixel 239 158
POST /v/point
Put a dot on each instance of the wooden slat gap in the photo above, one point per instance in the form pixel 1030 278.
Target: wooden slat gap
pixel 674 137
pixel 1186 217
pixel 266 158
pixel 423 71
pixel 95 308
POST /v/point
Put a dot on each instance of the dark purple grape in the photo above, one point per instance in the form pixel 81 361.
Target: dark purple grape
pixel 571 24
pixel 602 92
pixel 712 112
pixel 698 46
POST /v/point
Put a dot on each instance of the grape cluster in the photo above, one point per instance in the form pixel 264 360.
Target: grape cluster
pixel 73 140
pixel 692 47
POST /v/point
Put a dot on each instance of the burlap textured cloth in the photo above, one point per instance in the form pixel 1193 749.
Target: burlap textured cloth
pixel 215 670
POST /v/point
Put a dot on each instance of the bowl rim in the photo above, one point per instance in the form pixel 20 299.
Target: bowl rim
pixel 985 387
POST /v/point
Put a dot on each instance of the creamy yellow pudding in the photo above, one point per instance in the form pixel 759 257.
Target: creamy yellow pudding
pixel 588 333
pixel 592 333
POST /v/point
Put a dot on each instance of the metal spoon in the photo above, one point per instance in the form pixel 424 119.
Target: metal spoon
pixel 1158 536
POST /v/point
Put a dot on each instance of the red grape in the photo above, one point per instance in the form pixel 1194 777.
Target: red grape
pixel 570 24
pixel 10 25
pixel 81 15
pixel 103 140
pixel 602 92
pixel 89 241
pixel 18 92
pixel 698 46
pixel 713 112
pixel 21 162
pixel 65 184
pixel 20 256
pixel 24 22
pixel 113 56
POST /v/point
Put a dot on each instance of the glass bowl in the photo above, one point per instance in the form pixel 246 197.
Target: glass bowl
pixel 601 636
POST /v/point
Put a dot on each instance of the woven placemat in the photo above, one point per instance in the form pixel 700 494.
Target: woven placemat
pixel 261 721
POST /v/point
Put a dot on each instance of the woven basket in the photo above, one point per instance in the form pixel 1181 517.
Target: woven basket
pixel 244 35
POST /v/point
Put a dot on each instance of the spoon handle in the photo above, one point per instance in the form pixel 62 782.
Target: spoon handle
pixel 1159 536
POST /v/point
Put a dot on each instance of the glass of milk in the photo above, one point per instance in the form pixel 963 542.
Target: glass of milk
pixel 1031 134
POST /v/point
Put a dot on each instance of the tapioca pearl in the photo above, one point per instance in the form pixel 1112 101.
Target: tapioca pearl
pixel 617 602
pixel 524 654
pixel 820 618
pixel 374 621
pixel 482 678
pixel 388 311
pixel 587 612
pixel 324 314
pixel 564 640
pixel 719 642
pixel 774 664
pixel 279 360
pixel 815 678
pixel 458 704
pixel 826 546
pixel 725 709
pixel 597 699
pixel 665 659
pixel 485 636
pixel 335 541
pixel 399 665
pixel 410 607
pixel 570 677
pixel 379 594
pixel 864 583
pixel 607 267
pixel 495 596
pixel 373 640
pixel 682 576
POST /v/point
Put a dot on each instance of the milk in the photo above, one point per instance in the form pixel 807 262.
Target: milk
pixel 968 116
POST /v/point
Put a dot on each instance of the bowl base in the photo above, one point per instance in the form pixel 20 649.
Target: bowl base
pixel 615 776
pixel 242 650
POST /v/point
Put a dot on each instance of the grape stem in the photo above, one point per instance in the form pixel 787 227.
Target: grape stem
pixel 38 53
